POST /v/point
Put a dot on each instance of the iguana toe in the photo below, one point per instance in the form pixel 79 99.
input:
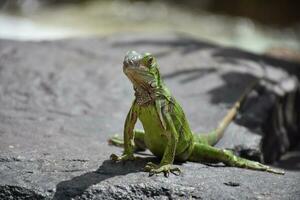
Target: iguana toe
pixel 166 169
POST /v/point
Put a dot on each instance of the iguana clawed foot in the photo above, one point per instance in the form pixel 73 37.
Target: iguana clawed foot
pixel 166 169
pixel 124 157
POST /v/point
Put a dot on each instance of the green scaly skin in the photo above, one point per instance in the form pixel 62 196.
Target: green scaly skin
pixel 167 133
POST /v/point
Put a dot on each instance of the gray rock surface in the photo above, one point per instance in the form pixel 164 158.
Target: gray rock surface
pixel 60 101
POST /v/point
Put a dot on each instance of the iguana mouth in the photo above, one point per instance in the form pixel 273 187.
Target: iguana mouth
pixel 138 77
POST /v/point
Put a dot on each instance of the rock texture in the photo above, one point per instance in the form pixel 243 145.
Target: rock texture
pixel 60 101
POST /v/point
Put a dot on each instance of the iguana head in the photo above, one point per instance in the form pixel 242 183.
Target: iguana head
pixel 142 70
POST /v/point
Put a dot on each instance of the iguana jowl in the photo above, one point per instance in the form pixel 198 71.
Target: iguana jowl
pixel 167 133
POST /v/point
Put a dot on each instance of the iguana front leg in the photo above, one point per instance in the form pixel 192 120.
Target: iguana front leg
pixel 128 136
pixel 167 160
pixel 139 143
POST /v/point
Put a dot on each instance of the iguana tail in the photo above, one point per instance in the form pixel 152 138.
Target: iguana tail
pixel 214 136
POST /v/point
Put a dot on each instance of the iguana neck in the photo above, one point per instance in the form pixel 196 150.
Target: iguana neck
pixel 146 97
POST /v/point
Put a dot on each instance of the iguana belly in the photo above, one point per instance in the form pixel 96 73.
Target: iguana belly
pixel 155 138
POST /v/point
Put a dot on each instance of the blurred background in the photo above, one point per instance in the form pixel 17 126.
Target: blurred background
pixel 271 27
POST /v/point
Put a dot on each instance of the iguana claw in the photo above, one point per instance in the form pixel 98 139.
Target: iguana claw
pixel 269 169
pixel 166 169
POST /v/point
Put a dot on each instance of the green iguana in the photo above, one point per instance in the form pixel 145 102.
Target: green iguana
pixel 167 133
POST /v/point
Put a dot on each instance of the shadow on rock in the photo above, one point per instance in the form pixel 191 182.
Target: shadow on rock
pixel 257 106
pixel 234 55
pixel 190 74
pixel 235 84
pixel 76 186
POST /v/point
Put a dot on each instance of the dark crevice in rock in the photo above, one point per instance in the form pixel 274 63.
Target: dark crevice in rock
pixel 274 115
pixel 18 193
pixel 271 110
pixel 282 127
